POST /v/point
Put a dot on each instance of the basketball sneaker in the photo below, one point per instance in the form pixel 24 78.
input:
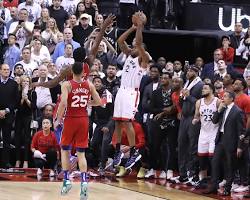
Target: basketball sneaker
pixel 84 191
pixel 118 158
pixel 66 187
pixel 132 160
pixel 141 173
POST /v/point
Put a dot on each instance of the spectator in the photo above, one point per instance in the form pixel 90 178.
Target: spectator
pixel 33 9
pixel 24 115
pixel 228 82
pixel 97 65
pixel 178 69
pixel 48 112
pixel 43 20
pixel 4 18
pixel 72 22
pixel 28 64
pixel 57 12
pixel 227 51
pixel 83 30
pixel 99 20
pixel 52 71
pixel 45 148
pixel 164 121
pixel 69 6
pixel 50 34
pixel 102 117
pixel 111 35
pixel 80 9
pixel 12 53
pixel 37 54
pixel 22 29
pixel 90 8
pixel 14 17
pixel 44 95
pixel 18 70
pixel 66 59
pixel 237 35
pixel 244 47
pixel 59 50
pixel 8 103
pixel 111 82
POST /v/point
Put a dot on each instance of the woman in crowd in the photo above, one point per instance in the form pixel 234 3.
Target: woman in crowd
pixel 24 115
pixel 45 148
pixel 42 22
pixel 50 35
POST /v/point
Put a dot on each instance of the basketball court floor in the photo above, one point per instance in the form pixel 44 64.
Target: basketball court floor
pixel 26 186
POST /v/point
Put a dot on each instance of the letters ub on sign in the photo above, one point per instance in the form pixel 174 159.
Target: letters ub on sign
pixel 236 16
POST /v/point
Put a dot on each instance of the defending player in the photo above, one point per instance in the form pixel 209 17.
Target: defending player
pixel 73 107
pixel 127 97
pixel 204 110
pixel 80 56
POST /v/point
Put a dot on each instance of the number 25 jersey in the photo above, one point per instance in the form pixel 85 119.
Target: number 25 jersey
pixel 78 99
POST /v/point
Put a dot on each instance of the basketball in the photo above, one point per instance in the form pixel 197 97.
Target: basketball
pixel 142 16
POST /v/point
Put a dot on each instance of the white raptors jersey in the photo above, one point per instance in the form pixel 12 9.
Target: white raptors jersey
pixel 131 73
pixel 206 114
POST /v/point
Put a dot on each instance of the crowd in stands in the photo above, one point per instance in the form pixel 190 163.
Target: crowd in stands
pixel 37 40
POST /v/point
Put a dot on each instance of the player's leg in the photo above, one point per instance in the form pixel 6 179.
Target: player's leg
pixel 82 162
pixel 81 143
pixel 118 154
pixel 66 139
pixel 65 153
pixel 134 153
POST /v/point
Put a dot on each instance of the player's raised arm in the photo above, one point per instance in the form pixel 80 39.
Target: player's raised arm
pixel 95 96
pixel 93 51
pixel 140 19
pixel 122 41
pixel 63 102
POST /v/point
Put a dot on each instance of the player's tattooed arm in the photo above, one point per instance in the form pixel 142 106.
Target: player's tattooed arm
pixel 196 118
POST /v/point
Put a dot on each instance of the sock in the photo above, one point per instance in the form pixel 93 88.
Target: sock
pixel 117 147
pixel 132 150
pixel 84 177
pixel 66 174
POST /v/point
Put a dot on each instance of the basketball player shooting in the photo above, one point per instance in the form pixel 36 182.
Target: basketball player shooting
pixel 73 108
pixel 127 98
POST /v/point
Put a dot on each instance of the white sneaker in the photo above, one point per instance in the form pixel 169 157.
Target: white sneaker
pixel 39 172
pixel 150 173
pixel 234 186
pixel 51 173
pixel 242 188
pixel 163 175
pixel 170 174
pixel 222 183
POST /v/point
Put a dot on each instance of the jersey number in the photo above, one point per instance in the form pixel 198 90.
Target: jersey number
pixel 79 101
pixel 208 118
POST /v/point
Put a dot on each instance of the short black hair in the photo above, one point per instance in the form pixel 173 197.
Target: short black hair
pixel 79 54
pixel 77 68
pixel 97 77
pixel 243 82
pixel 211 86
pixel 231 94
pixel 11 34
pixel 157 66
pixel 167 73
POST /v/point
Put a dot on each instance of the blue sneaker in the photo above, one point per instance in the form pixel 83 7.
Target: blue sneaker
pixel 66 187
pixel 132 160
pixel 118 158
pixel 84 191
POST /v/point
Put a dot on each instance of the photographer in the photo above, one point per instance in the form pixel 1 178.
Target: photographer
pixel 165 132
pixel 26 107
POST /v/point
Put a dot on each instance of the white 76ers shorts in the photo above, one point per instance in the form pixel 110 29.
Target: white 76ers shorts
pixel 206 143
pixel 126 104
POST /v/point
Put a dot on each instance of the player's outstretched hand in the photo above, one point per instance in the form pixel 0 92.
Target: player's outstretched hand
pixel 109 20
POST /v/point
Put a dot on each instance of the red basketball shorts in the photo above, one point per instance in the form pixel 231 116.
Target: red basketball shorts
pixel 75 132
